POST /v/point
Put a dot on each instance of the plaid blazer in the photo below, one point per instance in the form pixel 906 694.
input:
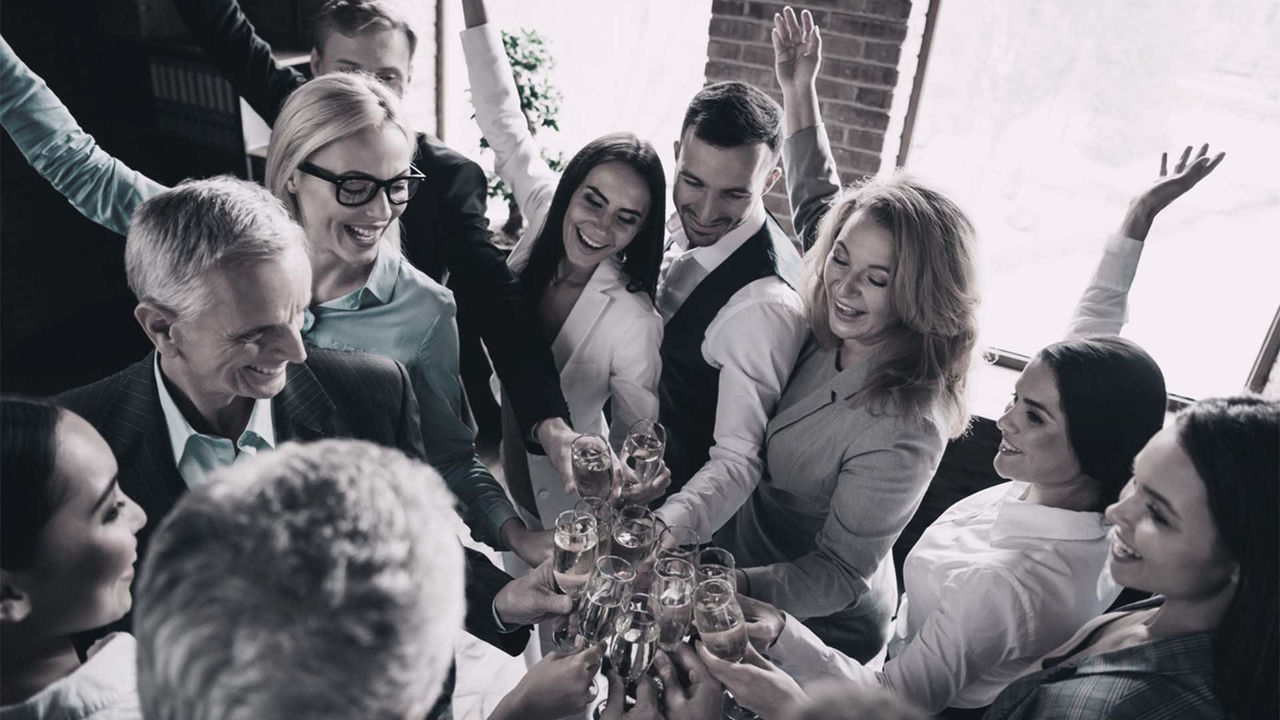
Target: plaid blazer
pixel 332 394
pixel 1168 678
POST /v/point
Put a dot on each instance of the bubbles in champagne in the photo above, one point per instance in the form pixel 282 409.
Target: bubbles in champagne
pixel 592 471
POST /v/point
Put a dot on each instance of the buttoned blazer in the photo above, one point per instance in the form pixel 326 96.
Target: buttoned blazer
pixel 333 394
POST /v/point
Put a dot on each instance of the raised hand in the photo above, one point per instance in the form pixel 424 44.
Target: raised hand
pixel 558 686
pixel 646 707
pixel 637 493
pixel 764 622
pixel 757 684
pixel 532 598
pixel 1167 188
pixel 797 49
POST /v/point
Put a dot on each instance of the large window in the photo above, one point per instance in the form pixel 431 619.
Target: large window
pixel 1042 119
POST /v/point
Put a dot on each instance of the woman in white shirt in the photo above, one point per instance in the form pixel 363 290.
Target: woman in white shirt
pixel 589 261
pixel 1008 573
pixel 69 545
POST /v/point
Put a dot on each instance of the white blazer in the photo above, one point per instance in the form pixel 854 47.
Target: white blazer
pixel 608 346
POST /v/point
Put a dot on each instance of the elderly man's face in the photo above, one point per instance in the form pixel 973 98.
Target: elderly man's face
pixel 240 344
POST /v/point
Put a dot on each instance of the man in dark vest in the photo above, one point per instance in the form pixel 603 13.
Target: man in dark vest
pixel 734 322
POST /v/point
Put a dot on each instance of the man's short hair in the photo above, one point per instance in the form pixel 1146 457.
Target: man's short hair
pixel 733 114
pixel 352 17
pixel 315 581
pixel 178 238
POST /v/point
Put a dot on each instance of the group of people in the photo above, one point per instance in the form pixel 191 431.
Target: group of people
pixel 283 468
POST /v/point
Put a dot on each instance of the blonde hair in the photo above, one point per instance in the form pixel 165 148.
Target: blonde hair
pixel 323 111
pixel 924 360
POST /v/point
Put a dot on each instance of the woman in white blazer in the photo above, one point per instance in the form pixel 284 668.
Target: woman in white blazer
pixel 589 261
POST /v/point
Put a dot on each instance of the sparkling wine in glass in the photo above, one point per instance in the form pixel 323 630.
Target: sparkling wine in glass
pixel 604 515
pixel 634 534
pixel 719 620
pixel 606 589
pixel 716 563
pixel 678 541
pixel 674 584
pixel 576 544
pixel 645 443
pixel 592 466
pixel 635 638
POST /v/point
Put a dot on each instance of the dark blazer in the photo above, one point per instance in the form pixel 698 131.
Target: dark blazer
pixel 333 394
pixel 445 226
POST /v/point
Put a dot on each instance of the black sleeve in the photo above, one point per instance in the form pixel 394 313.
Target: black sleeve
pixel 482 282
pixel 483 583
pixel 243 58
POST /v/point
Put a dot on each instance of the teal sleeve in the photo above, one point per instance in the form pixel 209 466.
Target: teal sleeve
pixel 101 187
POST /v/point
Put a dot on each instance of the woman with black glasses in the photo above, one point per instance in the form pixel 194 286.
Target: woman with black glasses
pixel 339 160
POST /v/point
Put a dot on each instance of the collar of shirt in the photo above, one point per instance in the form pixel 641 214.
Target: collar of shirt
pixel 1017 518
pixel 377 290
pixel 259 433
pixel 710 256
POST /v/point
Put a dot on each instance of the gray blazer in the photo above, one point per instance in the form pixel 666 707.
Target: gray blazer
pixel 842 479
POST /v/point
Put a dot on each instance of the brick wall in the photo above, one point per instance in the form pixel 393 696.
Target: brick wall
pixel 862 40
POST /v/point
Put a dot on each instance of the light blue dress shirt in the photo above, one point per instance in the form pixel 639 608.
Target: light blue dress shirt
pixel 402 314
pixel 197 455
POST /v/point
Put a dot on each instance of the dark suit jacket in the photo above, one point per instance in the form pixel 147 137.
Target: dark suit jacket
pixel 333 394
pixel 445 225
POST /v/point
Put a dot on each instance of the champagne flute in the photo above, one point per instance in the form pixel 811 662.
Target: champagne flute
pixel 719 620
pixel 635 531
pixel 576 545
pixel 635 638
pixel 674 585
pixel 716 563
pixel 606 589
pixel 592 466
pixel 604 515
pixel 646 442
pixel 679 541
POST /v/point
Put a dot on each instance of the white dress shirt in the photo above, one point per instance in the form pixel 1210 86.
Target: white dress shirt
pixel 103 688
pixel 197 455
pixel 994 584
pixel 1103 308
pixel 753 341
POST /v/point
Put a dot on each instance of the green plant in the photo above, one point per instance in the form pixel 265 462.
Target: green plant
pixel 531 62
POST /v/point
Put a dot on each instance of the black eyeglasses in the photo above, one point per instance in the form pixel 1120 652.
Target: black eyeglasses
pixel 356 189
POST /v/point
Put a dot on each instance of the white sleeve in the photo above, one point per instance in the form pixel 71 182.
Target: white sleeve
pixel 633 376
pixel 517 156
pixel 1104 306
pixel 752 376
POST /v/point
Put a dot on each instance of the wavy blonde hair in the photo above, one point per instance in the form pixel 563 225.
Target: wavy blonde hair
pixel 324 111
pixel 924 360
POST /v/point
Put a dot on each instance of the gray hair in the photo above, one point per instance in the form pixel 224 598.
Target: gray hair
pixel 178 237
pixel 316 581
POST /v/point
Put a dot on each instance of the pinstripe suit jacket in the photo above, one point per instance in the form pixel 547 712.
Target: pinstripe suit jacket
pixel 332 394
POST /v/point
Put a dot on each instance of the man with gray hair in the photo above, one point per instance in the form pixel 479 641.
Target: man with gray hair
pixel 316 581
pixel 222 279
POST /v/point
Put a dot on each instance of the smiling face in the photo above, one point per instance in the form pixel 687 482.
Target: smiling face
pixel 717 188
pixel 339 233
pixel 384 54
pixel 857 275
pixel 1165 540
pixel 239 346
pixel 83 567
pixel 604 214
pixel 1035 447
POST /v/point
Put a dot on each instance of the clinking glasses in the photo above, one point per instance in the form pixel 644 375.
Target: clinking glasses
pixel 356 189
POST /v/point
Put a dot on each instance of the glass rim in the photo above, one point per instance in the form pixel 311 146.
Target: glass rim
pixel 624 571
pixel 639 426
pixel 663 562
pixel 722 553
pixel 575 516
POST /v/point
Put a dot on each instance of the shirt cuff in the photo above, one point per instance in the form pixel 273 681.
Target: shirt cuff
pixel 502 627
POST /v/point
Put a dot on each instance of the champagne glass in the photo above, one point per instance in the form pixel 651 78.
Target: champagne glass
pixel 604 515
pixel 678 541
pixel 635 638
pixel 592 466
pixel 606 589
pixel 635 531
pixel 719 620
pixel 674 584
pixel 646 441
pixel 576 544
pixel 716 563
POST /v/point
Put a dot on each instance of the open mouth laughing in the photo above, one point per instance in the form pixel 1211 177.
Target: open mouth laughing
pixel 588 243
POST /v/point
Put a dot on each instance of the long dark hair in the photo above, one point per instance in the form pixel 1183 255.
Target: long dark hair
pixel 28 447
pixel 1234 444
pixel 644 254
pixel 1113 395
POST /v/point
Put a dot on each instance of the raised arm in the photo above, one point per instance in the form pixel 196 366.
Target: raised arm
pixel 243 58
pixel 99 186
pixel 1103 307
pixel 810 166
pixel 517 156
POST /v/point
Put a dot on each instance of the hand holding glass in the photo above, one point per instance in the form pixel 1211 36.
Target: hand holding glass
pixel 592 466
pixel 719 620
